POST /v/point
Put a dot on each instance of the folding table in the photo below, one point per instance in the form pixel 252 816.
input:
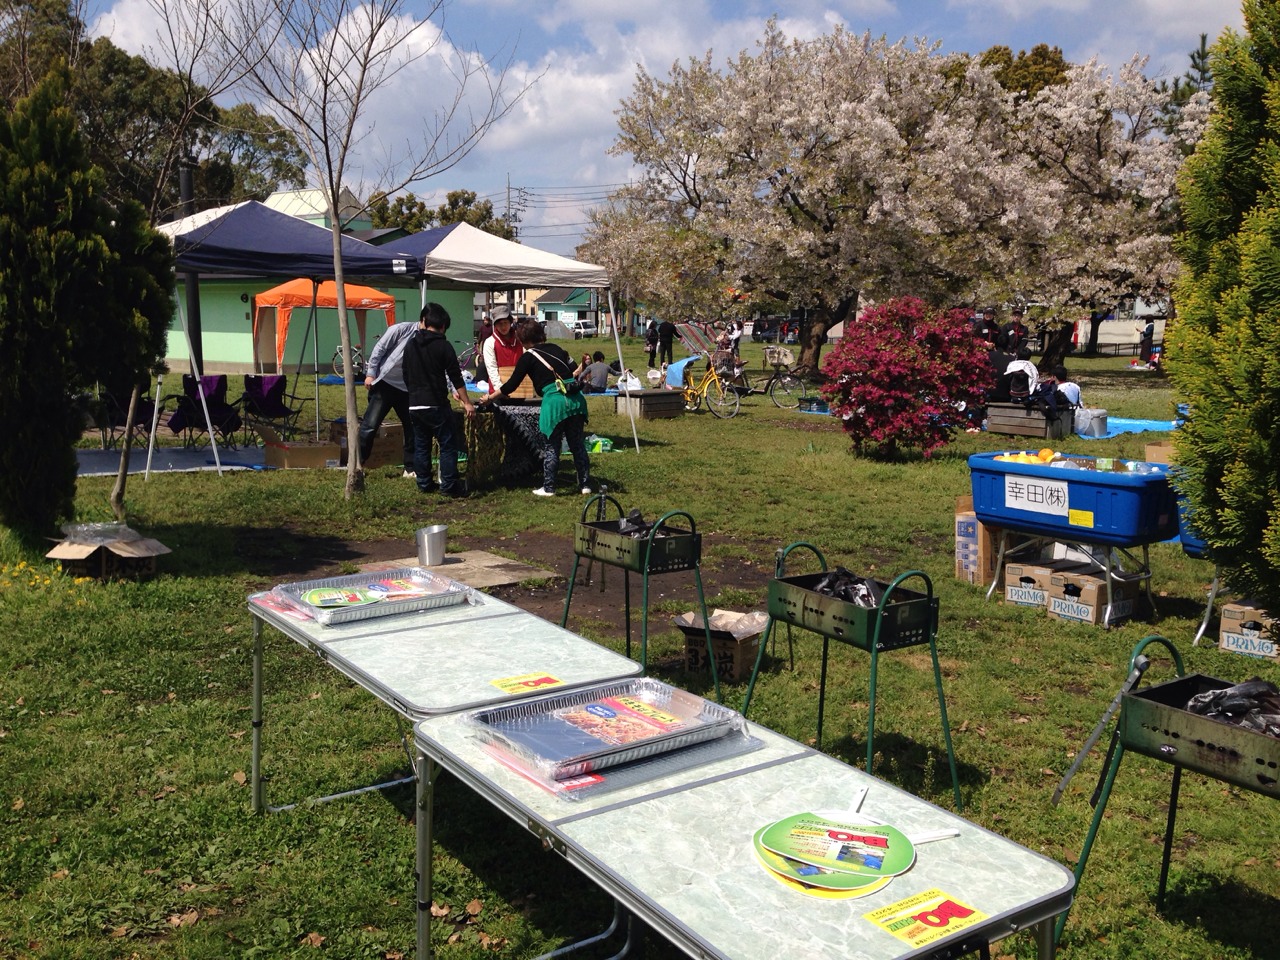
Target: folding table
pixel 437 661
pixel 677 852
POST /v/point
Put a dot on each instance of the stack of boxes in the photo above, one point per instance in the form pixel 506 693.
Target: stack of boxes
pixel 975 545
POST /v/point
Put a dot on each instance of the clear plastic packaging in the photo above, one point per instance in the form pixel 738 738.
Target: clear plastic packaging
pixel 576 733
pixel 364 596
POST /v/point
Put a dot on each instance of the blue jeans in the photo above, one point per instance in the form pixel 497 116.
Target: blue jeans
pixel 384 397
pixel 571 430
pixel 437 422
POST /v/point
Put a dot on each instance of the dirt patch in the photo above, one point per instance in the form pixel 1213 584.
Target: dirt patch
pixel 604 610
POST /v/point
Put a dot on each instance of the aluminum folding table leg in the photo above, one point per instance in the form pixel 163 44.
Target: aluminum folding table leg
pixel 1208 610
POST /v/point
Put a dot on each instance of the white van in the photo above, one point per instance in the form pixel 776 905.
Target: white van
pixel 579 328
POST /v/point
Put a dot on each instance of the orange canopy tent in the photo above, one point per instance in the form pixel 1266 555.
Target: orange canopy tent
pixel 303 293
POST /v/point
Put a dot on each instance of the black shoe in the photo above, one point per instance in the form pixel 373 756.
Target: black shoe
pixel 432 488
pixel 459 492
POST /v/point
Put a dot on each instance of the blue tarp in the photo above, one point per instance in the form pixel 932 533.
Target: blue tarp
pixel 1119 425
pixel 251 239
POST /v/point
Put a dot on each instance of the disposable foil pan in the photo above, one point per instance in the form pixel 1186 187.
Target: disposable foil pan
pixel 575 733
pixel 364 596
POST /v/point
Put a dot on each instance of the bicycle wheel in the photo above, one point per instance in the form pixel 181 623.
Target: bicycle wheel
pixel 338 366
pixel 722 401
pixel 692 399
pixel 787 391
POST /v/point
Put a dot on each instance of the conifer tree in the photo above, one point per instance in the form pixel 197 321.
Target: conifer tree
pixel 83 296
pixel 1224 349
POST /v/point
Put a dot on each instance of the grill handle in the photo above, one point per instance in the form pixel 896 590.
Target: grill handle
pixel 780 558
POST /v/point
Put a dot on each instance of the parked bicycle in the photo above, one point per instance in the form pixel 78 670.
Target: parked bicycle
pixel 784 388
pixel 714 387
pixel 358 364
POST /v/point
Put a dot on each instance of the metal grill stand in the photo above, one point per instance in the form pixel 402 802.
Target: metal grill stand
pixel 902 619
pixel 664 549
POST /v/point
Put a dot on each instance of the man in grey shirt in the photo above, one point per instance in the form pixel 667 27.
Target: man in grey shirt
pixel 384 377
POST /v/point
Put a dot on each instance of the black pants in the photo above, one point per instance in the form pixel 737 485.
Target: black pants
pixel 382 398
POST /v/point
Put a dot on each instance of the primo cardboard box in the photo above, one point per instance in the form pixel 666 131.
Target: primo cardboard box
pixel 1082 597
pixel 975 545
pixel 1027 584
pixel 1248 629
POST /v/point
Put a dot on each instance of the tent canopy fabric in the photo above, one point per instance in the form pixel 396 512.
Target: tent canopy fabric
pixel 299 293
pixel 251 239
pixel 460 254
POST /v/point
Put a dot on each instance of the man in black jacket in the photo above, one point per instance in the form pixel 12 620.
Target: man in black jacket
pixel 431 375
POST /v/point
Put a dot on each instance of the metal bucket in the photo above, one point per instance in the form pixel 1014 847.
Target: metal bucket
pixel 431 544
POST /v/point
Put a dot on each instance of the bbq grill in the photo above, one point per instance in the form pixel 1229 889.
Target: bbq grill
pixel 902 618
pixel 671 544
pixel 1155 723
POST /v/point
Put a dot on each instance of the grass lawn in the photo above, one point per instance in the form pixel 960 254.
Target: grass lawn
pixel 125 708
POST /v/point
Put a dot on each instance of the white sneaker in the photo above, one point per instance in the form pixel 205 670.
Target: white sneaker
pixel 587 490
pixel 544 492
pixel 409 475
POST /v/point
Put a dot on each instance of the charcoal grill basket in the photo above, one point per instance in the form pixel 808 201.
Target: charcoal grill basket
pixel 907 618
pixel 1155 723
pixel 664 549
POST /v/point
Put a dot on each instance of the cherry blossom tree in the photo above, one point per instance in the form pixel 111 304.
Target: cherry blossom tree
pixel 815 171
pixel 1103 155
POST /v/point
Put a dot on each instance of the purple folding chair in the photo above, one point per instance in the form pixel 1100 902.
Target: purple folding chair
pixel 265 401
pixel 188 419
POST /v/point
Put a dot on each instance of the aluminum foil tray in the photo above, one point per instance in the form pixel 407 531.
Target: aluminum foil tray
pixel 364 596
pixel 575 733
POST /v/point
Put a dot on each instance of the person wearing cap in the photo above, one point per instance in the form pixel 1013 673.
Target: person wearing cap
pixel 986 327
pixel 1015 333
pixel 384 379
pixel 502 350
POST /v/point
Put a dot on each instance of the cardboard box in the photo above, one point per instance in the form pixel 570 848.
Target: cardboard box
pixel 1027 584
pixel 976 546
pixel 1160 452
pixel 1082 597
pixel 735 642
pixel 107 552
pixel 296 453
pixel 388 444
pixel 1247 628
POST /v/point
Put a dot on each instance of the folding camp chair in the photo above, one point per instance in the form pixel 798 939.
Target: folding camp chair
pixel 265 401
pixel 188 419
pixel 110 413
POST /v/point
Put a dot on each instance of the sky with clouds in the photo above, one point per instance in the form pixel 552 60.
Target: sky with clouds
pixel 578 59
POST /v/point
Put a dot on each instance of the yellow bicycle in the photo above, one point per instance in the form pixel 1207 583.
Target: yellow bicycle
pixel 713 387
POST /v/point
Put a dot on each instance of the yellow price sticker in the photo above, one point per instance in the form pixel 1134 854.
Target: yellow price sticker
pixel 926 917
pixel 527 682
pixel 1080 518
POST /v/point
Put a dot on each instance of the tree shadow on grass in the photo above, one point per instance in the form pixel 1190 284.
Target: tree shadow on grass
pixel 271 553
pixel 1228 911
pixel 556 899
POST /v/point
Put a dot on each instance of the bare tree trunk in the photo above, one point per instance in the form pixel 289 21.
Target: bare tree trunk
pixel 1057 344
pixel 355 471
pixel 122 475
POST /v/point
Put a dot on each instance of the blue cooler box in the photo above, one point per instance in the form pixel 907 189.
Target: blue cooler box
pixel 1090 506
pixel 1192 545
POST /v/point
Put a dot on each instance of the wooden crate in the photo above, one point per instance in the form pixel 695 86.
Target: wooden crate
pixel 651 404
pixel 1017 420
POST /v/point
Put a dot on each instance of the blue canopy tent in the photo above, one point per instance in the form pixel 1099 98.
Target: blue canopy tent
pixel 251 239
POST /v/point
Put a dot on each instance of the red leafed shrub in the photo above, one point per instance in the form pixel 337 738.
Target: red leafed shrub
pixel 904 375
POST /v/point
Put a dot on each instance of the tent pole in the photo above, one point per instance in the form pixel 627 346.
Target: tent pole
pixel 204 404
pixel 617 342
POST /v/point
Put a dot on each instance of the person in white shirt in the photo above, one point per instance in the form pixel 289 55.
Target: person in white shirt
pixel 1068 388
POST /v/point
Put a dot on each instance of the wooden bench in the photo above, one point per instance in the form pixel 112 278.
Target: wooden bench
pixel 1017 420
pixel 651 404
